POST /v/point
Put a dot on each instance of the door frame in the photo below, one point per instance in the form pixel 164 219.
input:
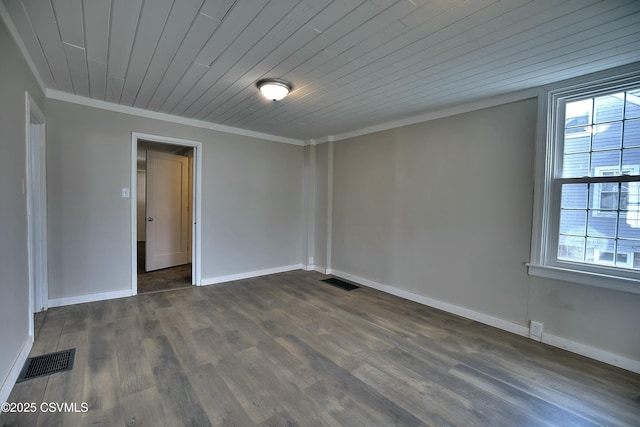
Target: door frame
pixel 196 239
pixel 36 198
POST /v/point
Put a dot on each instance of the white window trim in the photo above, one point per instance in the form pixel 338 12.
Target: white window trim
pixel 543 249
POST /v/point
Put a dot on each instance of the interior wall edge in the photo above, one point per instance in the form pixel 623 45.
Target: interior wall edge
pixel 14 372
pixel 15 35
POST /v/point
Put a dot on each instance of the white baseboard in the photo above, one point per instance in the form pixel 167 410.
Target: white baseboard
pixel 250 274
pixel 59 302
pixel 320 269
pixel 313 267
pixel 10 380
pixel 592 352
pixel 450 308
pixel 553 340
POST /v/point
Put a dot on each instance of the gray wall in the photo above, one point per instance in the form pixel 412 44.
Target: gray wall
pixel 443 209
pixel 15 79
pixel 251 199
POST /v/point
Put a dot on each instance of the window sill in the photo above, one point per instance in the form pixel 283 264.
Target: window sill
pixel 585 278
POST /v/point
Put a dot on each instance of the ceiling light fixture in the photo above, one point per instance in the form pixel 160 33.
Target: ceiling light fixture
pixel 274 89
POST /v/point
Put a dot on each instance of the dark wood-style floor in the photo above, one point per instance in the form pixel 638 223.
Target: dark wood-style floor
pixel 161 280
pixel 287 349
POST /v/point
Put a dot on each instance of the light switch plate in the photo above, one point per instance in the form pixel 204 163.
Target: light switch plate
pixel 125 193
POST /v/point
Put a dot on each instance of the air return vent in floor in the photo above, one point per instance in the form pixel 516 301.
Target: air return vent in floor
pixel 47 364
pixel 340 284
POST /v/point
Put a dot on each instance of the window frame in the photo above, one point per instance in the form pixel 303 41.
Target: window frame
pixel 552 99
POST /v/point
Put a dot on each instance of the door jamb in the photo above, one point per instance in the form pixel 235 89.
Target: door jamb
pixel 36 236
pixel 196 239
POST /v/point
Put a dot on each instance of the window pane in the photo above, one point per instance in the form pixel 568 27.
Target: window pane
pixel 605 163
pixel 576 140
pixel 603 196
pixel 631 161
pixel 600 251
pixel 609 108
pixel 633 197
pixel 631 133
pixel 632 108
pixel 573 222
pixel 574 196
pixel 575 165
pixel 571 248
pixel 607 136
pixel 628 254
pixel 602 224
pixel 629 226
pixel 578 113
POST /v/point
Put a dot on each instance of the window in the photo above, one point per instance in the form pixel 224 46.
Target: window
pixel 587 221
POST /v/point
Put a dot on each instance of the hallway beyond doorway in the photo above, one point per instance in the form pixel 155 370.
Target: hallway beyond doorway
pixel 161 280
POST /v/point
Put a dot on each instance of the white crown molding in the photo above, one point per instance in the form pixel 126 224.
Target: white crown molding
pixel 89 102
pixel 438 114
pixel 13 31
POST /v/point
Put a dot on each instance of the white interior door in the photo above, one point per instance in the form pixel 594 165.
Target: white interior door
pixel 167 214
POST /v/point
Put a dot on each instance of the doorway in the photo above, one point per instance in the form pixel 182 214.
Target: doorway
pixel 36 195
pixel 165 208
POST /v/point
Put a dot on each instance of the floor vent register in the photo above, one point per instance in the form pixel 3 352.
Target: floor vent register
pixel 47 364
pixel 341 284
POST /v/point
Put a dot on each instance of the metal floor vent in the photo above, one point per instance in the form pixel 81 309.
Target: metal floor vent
pixel 47 364
pixel 340 284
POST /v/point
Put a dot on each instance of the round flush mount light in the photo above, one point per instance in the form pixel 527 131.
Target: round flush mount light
pixel 274 89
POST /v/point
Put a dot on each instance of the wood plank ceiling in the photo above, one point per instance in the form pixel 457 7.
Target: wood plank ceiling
pixel 353 63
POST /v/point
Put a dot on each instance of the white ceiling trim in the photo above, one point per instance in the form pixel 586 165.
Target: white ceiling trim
pixel 13 31
pixel 134 111
pixel 438 114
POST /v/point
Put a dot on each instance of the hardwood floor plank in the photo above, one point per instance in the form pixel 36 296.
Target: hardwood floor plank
pixel 111 417
pixel 49 332
pixel 415 396
pixel 101 380
pixel 287 349
pixel 545 412
pixel 134 369
pixel 521 370
pixel 143 408
pixel 487 407
pixel 284 395
pixel 180 402
pixel 217 399
pixel 278 420
pixel 342 381
pixel 77 317
pixel 286 366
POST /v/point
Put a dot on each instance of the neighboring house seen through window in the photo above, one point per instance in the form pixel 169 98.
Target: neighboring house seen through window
pixel 589 216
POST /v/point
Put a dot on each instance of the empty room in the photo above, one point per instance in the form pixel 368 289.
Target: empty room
pixel 319 212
